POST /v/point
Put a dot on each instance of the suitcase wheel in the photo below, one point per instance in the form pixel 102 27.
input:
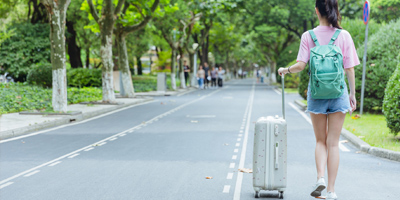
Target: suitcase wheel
pixel 280 195
pixel 257 195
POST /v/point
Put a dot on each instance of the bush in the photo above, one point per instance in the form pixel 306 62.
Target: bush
pixel 29 44
pixel 81 77
pixel 303 85
pixel 356 28
pixel 291 80
pixel 383 51
pixel 144 83
pixel 391 102
pixel 41 74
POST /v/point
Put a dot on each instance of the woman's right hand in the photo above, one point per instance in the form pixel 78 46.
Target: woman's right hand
pixel 282 71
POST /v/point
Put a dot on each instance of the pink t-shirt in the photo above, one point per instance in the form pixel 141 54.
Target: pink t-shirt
pixel 324 35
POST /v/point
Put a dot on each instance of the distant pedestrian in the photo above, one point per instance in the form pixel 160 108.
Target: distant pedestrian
pixel 327 115
pixel 214 76
pixel 258 76
pixel 200 77
pixel 186 70
pixel 221 74
pixel 207 74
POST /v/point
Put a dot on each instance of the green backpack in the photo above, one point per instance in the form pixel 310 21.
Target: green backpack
pixel 326 69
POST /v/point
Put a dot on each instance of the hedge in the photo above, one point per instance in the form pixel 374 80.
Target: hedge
pixel 391 102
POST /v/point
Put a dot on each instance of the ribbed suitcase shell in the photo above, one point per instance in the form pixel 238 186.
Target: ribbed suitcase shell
pixel 270 155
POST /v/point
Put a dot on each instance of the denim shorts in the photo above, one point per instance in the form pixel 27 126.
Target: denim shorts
pixel 328 106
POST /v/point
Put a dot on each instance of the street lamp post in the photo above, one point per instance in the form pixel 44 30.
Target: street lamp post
pixel 194 78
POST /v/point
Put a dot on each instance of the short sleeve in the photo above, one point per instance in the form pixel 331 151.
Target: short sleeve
pixel 304 50
pixel 350 57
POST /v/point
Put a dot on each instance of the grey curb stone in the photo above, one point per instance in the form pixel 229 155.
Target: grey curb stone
pixel 65 120
pixel 301 104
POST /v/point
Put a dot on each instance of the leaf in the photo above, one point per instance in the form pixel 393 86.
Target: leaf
pixel 209 177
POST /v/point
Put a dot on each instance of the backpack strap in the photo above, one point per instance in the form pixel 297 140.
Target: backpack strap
pixel 334 37
pixel 314 37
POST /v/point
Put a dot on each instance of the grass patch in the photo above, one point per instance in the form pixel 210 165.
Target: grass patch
pixel 291 90
pixel 147 83
pixel 16 97
pixel 372 129
pixel 304 101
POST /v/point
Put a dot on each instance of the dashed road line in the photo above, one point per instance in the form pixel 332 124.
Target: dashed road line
pixel 102 143
pixel 55 163
pixel 239 139
pixel 229 176
pixel 112 139
pixel 236 150
pixel 234 157
pixel 32 173
pixel 226 189
pixel 88 149
pixel 237 144
pixel 232 165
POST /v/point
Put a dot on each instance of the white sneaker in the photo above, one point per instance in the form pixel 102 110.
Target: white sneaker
pixel 331 196
pixel 319 186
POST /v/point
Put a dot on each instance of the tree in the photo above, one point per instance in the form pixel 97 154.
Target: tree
pixel 106 23
pixel 57 10
pixel 124 27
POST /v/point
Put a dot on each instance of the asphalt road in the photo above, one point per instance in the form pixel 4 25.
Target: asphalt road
pixel 165 149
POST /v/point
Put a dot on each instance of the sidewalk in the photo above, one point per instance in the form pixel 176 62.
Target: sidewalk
pixel 16 124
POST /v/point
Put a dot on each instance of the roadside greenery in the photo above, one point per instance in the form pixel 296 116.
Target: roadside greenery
pixel 391 102
pixel 16 97
pixel 373 130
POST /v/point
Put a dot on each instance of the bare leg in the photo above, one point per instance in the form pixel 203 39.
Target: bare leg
pixel 335 121
pixel 319 122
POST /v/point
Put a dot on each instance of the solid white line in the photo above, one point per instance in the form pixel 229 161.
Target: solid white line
pixel 73 124
pixel 130 131
pixel 88 149
pixel 91 145
pixel 32 173
pixel 73 156
pixel 278 92
pixel 237 144
pixel 54 164
pixel 343 148
pixel 239 180
pixel 9 183
pixel 226 189
pixel 229 176
pixel 236 150
pixel 232 165
pixel 234 157
pixel 301 113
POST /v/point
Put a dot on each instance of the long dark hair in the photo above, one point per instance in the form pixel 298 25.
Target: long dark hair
pixel 330 10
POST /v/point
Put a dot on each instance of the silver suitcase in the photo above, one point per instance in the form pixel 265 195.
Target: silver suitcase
pixel 270 153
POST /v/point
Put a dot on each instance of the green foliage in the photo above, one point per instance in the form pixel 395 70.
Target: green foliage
pixel 16 97
pixel 356 28
pixel 391 102
pixel 383 57
pixel 289 55
pixel 304 79
pixel 385 10
pixel 291 80
pixel 41 74
pixel 80 77
pixel 144 83
pixel 28 46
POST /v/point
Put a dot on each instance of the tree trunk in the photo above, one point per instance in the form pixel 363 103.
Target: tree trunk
pixel 74 51
pixel 139 65
pixel 87 50
pixel 173 81
pixel 272 77
pixel 57 14
pixel 106 24
pixel 124 66
pixel 181 71
pixel 191 67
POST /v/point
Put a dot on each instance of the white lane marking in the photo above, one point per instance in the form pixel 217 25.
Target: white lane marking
pixel 88 149
pixel 234 157
pixel 32 173
pixel 226 189
pixel 277 91
pixel 130 131
pixel 240 135
pixel 239 139
pixel 229 176
pixel 76 123
pixel 240 131
pixel 341 146
pixel 73 156
pixel 236 150
pixel 237 144
pixel 232 165
pixel 301 113
pixel 185 93
pixel 239 180
pixel 9 183
pixel 112 139
pixel 55 163
pixel 91 145
pixel 101 144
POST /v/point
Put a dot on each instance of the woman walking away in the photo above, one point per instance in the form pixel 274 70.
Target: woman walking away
pixel 200 77
pixel 330 52
pixel 221 73
pixel 214 75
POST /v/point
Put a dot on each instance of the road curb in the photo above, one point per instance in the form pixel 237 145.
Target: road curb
pixel 64 120
pixel 301 104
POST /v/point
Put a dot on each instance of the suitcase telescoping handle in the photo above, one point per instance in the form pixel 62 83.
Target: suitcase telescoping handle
pixel 283 95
